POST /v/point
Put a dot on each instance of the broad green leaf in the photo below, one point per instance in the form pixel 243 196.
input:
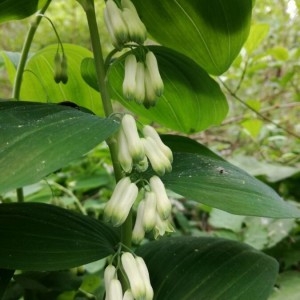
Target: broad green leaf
pixel 5 277
pixel 38 138
pixel 38 80
pixel 189 268
pixel 252 127
pixel 201 175
pixel 279 53
pixel 43 237
pixel 18 9
pixel 257 34
pixel 212 32
pixel 192 101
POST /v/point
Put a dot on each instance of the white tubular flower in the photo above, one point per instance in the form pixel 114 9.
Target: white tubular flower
pixel 138 231
pixel 150 95
pixel 139 94
pixel 142 165
pixel 124 156
pixel 109 275
pixel 114 291
pixel 135 279
pixel 129 83
pixel 160 163
pixel 118 192
pixel 116 21
pixel 110 30
pixel 121 209
pixel 151 64
pixel 135 145
pixel 163 203
pixel 162 226
pixel 128 295
pixel 128 4
pixel 136 29
pixel 145 275
pixel 149 216
pixel 149 131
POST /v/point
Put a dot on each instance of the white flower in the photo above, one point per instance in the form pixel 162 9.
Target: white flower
pixel 163 203
pixel 145 276
pixel 135 145
pixel 162 226
pixel 128 295
pixel 122 208
pixel 109 275
pixel 149 216
pixel 129 82
pixel 124 156
pixel 152 66
pixel 118 192
pixel 142 165
pixel 139 94
pixel 149 131
pixel 138 231
pixel 150 94
pixel 135 279
pixel 114 291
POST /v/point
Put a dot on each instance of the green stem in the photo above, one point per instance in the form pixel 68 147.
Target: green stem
pixel 21 66
pixel 88 6
pixel 25 51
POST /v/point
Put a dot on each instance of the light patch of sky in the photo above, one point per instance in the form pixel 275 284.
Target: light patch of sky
pixel 292 9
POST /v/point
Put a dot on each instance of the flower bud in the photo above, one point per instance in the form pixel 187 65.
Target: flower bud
pixel 135 145
pixel 150 95
pixel 118 192
pixel 64 70
pixel 142 165
pixel 57 68
pixel 151 64
pixel 109 275
pixel 139 94
pixel 114 291
pixel 159 162
pixel 145 276
pixel 133 274
pixel 162 226
pixel 116 21
pixel 121 209
pixel 163 203
pixel 128 295
pixel 149 216
pixel 128 4
pixel 138 232
pixel 149 131
pixel 110 30
pixel 124 156
pixel 129 83
pixel 136 29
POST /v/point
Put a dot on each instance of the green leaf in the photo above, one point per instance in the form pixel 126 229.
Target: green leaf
pixel 43 237
pixel 192 101
pixel 5 277
pixel 18 9
pixel 210 32
pixel 189 268
pixel 38 138
pixel 38 80
pixel 201 175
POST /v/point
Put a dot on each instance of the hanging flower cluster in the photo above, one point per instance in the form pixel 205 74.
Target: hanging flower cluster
pixel 142 81
pixel 136 272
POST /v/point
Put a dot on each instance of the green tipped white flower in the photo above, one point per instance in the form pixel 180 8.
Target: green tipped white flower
pixel 145 276
pixel 149 131
pixel 128 295
pixel 109 275
pixel 135 146
pixel 124 156
pixel 110 30
pixel 152 66
pixel 163 203
pixel 138 231
pixel 162 226
pixel 115 22
pixel 135 279
pixel 150 95
pixel 118 192
pixel 121 209
pixel 129 83
pixel 139 94
pixel 114 291
pixel 159 162
pixel 149 216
